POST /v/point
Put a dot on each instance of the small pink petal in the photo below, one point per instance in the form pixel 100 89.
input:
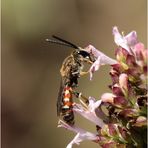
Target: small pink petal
pixel 108 98
pixel 120 40
pixel 140 52
pixel 131 38
pixel 123 82
pixel 93 104
pixel 95 66
pixel 139 46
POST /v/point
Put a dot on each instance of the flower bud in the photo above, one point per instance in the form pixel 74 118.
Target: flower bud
pixel 121 54
pixel 141 121
pixel 120 101
pixel 114 75
pixel 113 129
pixel 129 112
pixel 123 82
pixel 130 60
pixel 107 98
pixel 117 90
pixel 139 51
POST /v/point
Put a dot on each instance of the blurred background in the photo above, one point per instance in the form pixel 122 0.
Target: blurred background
pixel 30 66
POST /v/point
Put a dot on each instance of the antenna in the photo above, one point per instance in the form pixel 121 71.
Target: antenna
pixel 62 42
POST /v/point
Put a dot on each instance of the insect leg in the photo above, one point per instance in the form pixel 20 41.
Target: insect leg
pixel 82 73
pixel 83 100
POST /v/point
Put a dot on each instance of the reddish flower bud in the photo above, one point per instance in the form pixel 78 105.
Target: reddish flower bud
pixel 117 67
pixel 129 112
pixel 117 90
pixel 121 54
pixel 114 75
pixel 112 129
pixel 124 133
pixel 130 60
pixel 120 101
pixel 145 69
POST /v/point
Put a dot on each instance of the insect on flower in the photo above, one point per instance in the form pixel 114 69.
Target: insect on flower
pixel 71 70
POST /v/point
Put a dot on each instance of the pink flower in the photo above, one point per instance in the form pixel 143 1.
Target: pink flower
pixel 127 42
pixel 131 39
pixel 140 52
pixel 95 66
pixel 81 134
pixel 90 112
pixel 141 121
pixel 123 82
pixel 101 59
pixel 108 98
pixel 117 101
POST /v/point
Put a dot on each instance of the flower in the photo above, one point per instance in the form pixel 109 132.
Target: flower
pixel 108 98
pixel 101 59
pixel 123 82
pixel 120 116
pixel 127 42
pixel 141 121
pixel 81 134
pixel 114 100
pixel 95 66
pixel 141 54
pixel 90 112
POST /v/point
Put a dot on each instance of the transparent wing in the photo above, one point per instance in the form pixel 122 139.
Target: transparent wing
pixel 60 98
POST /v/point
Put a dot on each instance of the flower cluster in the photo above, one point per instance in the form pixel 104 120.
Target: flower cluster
pixel 124 123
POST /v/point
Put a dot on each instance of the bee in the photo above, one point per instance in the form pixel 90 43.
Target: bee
pixel 71 70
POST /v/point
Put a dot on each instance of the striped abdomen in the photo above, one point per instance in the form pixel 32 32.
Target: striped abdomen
pixel 67 112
